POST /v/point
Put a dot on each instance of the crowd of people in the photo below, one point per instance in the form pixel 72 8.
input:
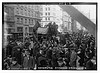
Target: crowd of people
pixel 78 51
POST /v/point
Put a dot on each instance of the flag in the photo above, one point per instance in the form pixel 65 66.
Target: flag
pixel 36 26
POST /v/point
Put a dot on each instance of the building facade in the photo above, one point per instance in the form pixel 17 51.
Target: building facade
pixel 9 26
pixel 53 13
pixel 50 13
pixel 66 22
pixel 25 17
pixel 74 26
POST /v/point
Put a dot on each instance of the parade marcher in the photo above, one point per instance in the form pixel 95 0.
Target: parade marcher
pixel 54 61
pixel 31 62
pixel 61 62
pixel 26 60
pixel 91 64
pixel 15 65
pixel 42 61
pixel 73 57
pixel 76 51
pixel 17 54
pixel 67 57
pixel 82 56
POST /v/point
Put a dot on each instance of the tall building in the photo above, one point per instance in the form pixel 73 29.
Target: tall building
pixel 50 13
pixel 9 22
pixel 89 11
pixel 74 26
pixel 66 22
pixel 25 17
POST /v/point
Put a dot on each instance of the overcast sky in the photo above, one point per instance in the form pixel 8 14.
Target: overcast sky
pixel 87 9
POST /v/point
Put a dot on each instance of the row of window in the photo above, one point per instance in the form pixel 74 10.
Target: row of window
pixel 10 25
pixel 25 20
pixel 26 12
pixel 47 18
pixel 20 29
pixel 10 30
pixel 47 8
pixel 10 18
pixel 30 7
pixel 9 10
pixel 47 13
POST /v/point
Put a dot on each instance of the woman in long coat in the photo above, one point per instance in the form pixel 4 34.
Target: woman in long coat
pixel 73 57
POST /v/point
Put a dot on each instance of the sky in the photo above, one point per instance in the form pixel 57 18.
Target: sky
pixel 86 9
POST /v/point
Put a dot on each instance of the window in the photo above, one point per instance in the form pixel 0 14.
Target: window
pixel 41 9
pixel 21 20
pixel 25 12
pixel 32 21
pixel 30 29
pixel 6 9
pixel 29 21
pixel 10 30
pixel 48 13
pixel 28 13
pixel 9 18
pixel 45 13
pixel 19 29
pixel 21 11
pixel 36 7
pixel 10 25
pixel 17 20
pixel 33 14
pixel 33 7
pixel 45 18
pixel 48 18
pixel 11 11
pixel 48 8
pixel 17 10
pixel 25 20
pixel 38 14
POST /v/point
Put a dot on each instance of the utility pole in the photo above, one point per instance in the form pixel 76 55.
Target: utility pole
pixel 62 20
pixel 89 14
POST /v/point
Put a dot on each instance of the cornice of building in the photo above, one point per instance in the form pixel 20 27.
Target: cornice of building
pixel 46 21
pixel 28 8
pixel 12 21
pixel 47 16
pixel 28 17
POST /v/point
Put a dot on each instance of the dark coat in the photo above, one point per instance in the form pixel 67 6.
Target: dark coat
pixel 31 62
pixel 15 67
pixel 73 58
pixel 90 65
pixel 25 63
pixel 49 54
